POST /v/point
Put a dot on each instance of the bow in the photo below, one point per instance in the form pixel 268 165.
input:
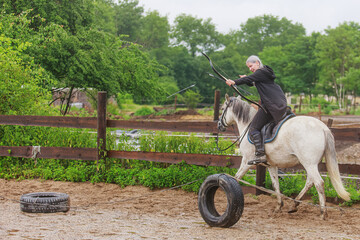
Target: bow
pixel 233 87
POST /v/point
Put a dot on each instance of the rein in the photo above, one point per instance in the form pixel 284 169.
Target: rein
pixel 241 137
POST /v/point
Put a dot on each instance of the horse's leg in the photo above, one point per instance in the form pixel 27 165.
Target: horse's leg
pixel 313 177
pixel 319 185
pixel 273 171
pixel 308 185
pixel 244 168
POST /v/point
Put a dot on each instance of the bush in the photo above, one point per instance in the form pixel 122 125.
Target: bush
pixel 123 98
pixel 20 91
pixel 192 98
pixel 144 111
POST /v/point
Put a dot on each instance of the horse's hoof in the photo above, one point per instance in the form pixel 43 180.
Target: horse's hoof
pixel 292 210
pixel 323 216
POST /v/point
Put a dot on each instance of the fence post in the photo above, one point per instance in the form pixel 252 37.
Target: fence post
pixel 175 102
pixel 101 126
pixel 260 178
pixel 216 105
pixel 330 122
pixel 319 106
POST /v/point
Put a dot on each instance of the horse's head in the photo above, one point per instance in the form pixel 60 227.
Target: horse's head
pixel 227 116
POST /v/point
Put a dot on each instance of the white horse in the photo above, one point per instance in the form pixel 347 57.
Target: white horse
pixel 301 139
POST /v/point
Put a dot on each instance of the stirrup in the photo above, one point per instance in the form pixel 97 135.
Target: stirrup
pixel 258 160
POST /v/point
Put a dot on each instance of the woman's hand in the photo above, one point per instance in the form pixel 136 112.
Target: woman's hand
pixel 230 82
pixel 241 76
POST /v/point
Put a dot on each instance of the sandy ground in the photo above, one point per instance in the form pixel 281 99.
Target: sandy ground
pixel 106 211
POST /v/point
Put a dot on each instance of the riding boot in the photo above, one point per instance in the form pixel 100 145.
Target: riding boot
pixel 260 156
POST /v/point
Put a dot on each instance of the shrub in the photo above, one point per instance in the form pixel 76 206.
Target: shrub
pixel 144 111
pixel 192 98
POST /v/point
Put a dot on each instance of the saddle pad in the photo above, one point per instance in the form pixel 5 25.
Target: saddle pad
pixel 270 131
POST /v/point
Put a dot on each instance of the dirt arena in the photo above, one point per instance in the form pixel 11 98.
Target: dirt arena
pixel 106 211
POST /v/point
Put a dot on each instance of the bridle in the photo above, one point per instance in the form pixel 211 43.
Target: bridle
pixel 222 119
pixel 222 123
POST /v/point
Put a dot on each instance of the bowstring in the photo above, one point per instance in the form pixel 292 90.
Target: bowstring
pixel 228 77
pixel 221 70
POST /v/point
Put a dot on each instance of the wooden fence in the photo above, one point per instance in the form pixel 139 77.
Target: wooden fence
pixel 101 123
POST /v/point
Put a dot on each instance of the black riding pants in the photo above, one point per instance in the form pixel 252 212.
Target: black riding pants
pixel 261 118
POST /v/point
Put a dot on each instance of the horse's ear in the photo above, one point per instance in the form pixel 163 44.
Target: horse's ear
pixel 227 97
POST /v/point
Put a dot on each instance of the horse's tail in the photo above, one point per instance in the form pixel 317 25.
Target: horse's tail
pixel 332 166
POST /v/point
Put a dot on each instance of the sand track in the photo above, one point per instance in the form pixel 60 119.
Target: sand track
pixel 103 211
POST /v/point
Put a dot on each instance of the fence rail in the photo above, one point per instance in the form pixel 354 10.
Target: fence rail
pixel 343 134
pixel 101 123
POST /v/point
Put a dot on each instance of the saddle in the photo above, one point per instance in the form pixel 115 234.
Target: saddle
pixel 270 130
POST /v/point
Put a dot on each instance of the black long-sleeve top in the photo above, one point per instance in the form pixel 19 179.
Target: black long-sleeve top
pixel 271 94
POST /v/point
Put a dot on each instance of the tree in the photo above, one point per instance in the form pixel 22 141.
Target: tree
pixel 338 51
pixel 94 59
pixel 128 17
pixel 197 35
pixel 154 31
pixel 104 16
pixel 89 59
pixel 20 91
pixel 71 14
pixel 276 58
pixel 295 64
pixel 265 31
pixel 352 82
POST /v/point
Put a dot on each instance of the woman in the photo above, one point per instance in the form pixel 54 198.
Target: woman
pixel 272 98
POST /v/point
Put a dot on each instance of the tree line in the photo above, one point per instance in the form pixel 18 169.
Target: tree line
pixel 115 46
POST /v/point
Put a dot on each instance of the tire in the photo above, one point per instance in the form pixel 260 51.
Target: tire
pixel 235 200
pixel 45 202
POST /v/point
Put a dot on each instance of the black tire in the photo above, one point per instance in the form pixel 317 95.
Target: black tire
pixel 45 202
pixel 235 200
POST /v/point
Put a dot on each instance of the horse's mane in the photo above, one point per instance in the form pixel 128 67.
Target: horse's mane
pixel 241 109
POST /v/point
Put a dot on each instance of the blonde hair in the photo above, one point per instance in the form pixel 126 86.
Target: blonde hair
pixel 254 59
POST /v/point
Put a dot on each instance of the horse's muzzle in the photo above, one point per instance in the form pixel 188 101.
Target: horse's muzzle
pixel 221 127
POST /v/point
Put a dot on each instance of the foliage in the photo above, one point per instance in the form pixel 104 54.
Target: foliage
pixel 154 23
pixel 265 31
pixel 180 143
pixel 19 80
pixel 191 99
pixel 291 186
pixel 295 64
pixel 144 111
pixel 197 35
pixel 85 57
pixel 115 46
pixel 338 54
pixel 72 15
pixel 128 18
pixel 123 98
pixel 149 174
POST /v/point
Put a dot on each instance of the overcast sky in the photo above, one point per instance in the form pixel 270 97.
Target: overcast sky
pixel 314 15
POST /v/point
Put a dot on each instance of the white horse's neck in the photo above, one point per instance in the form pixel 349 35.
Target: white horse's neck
pixel 242 114
pixel 243 125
